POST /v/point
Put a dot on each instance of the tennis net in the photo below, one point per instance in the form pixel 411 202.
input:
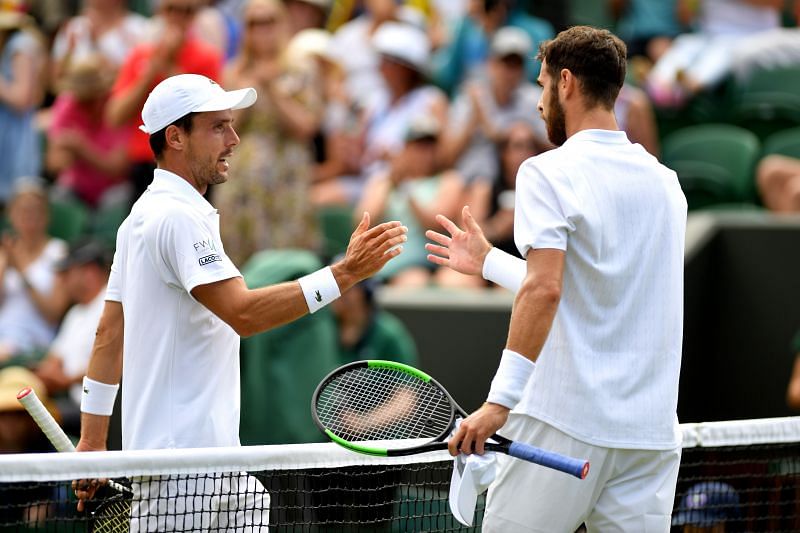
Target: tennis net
pixel 743 473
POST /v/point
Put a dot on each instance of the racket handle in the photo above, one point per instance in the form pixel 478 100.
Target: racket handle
pixel 27 397
pixel 569 465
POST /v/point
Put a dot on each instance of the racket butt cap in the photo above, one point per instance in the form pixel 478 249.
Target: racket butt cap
pixel 585 471
pixel 24 392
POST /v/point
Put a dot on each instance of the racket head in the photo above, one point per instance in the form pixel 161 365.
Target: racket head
pixel 113 514
pixel 381 407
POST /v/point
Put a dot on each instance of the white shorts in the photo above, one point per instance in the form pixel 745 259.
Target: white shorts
pixel 626 490
pixel 213 502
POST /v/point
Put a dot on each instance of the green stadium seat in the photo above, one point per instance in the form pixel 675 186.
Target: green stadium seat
pixel 106 221
pixel 280 368
pixel 336 224
pixel 714 162
pixel 768 101
pixel 785 142
pixel 69 219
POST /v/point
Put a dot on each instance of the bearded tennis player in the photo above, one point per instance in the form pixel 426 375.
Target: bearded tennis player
pixel 593 353
pixel 176 307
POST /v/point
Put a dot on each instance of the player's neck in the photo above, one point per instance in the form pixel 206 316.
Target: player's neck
pixel 595 118
pixel 183 171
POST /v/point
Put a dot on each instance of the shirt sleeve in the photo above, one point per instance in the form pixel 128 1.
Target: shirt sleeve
pixel 192 252
pixel 544 211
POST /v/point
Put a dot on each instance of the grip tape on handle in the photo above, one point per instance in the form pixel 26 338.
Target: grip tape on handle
pixel 31 402
pixel 569 465
pixel 27 397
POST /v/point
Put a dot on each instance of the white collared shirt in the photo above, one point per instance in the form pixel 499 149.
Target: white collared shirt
pixel 180 385
pixel 608 372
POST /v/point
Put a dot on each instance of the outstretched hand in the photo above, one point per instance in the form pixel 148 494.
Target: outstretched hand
pixel 464 250
pixel 369 249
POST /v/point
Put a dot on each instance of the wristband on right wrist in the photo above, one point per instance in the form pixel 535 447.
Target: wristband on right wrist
pixel 504 269
pixel 98 398
pixel 510 379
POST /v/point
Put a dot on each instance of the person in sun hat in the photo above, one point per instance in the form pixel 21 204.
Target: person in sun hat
pixel 22 82
pixel 176 307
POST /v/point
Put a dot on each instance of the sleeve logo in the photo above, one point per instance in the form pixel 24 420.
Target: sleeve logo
pixel 209 259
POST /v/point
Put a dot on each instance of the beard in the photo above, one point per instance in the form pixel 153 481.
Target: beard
pixel 556 122
pixel 204 169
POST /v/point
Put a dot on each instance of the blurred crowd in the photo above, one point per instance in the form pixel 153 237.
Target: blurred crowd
pixel 405 109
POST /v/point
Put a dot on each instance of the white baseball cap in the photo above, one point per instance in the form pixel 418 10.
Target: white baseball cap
pixel 510 40
pixel 404 43
pixel 177 96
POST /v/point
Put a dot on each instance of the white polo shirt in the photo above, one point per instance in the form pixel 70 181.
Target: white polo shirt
pixel 608 372
pixel 180 385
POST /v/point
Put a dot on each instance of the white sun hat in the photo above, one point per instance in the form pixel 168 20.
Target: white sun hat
pixel 403 43
pixel 177 96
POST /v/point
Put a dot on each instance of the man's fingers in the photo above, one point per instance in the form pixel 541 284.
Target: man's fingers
pixel 455 440
pixel 380 230
pixel 396 235
pixel 448 224
pixel 435 236
pixel 469 221
pixel 438 250
pixel 436 260
pixel 362 225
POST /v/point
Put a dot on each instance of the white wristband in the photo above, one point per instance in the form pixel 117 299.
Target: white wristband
pixel 319 288
pixel 504 269
pixel 510 380
pixel 98 398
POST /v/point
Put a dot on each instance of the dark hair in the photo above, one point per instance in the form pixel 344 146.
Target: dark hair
pixel 595 56
pixel 158 140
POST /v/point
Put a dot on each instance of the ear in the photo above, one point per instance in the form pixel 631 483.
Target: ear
pixel 567 83
pixel 175 137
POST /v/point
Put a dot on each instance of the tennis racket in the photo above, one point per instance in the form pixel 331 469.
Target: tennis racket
pixel 113 515
pixel 407 412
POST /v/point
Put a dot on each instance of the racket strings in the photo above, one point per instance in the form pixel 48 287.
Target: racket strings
pixel 113 517
pixel 369 404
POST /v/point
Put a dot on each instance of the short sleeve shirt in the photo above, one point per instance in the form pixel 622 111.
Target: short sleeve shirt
pixel 608 371
pixel 180 361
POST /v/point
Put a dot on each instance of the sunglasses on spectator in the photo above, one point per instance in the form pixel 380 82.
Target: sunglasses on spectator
pixel 261 21
pixel 185 10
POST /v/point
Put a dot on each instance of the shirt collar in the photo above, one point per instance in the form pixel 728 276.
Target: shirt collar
pixel 171 182
pixel 600 136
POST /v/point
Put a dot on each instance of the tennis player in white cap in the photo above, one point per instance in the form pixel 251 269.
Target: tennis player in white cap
pixel 593 354
pixel 176 307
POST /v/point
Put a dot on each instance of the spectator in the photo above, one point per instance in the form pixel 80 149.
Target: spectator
pixel 709 506
pixel 18 432
pixel 217 28
pixel 635 116
pixel 267 206
pixel 368 332
pixel 353 47
pixel 646 26
pixel 307 14
pixel 413 190
pixel 404 55
pixel 85 275
pixel 175 52
pixel 22 64
pixel 465 56
pixel 104 28
pixel 88 157
pixel 32 302
pixel 336 142
pixel 484 110
pixel 778 180
pixel 699 61
pixel 777 48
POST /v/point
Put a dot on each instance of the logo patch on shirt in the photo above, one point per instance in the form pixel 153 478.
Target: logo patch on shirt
pixel 204 246
pixel 209 259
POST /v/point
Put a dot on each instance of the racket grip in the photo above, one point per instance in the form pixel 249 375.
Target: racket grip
pixel 27 397
pixel 569 465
